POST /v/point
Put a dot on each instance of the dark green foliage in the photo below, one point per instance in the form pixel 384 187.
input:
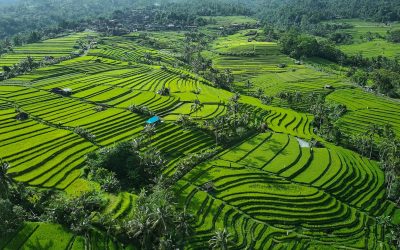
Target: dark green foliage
pixel 298 46
pixel 360 77
pixel 325 114
pixel 11 218
pixel 308 14
pixel 142 110
pixel 386 82
pixel 394 36
pixel 133 167
pixel 76 213
pixel 341 38
pixel 6 181
pixel 107 179
pixel 117 158
pixel 31 199
pixel 156 223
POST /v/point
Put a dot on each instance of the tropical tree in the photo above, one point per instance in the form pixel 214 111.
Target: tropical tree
pixel 184 120
pixel 183 226
pixel 154 219
pixel 196 107
pixel 249 85
pixel 385 222
pixel 394 236
pixel 220 240
pixel 361 143
pixel 6 181
pixel 373 130
pixel 234 107
pixel 11 218
pixel 149 131
pixel 229 77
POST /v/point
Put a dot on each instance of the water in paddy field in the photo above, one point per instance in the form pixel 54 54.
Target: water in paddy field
pixel 303 143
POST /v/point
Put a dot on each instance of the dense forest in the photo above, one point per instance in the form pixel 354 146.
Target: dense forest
pixel 286 13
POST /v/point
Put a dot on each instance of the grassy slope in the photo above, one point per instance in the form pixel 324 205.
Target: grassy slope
pixel 370 48
pixel 270 193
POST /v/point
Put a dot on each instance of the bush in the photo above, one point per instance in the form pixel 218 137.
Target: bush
pixel 11 218
pixel 107 179
pixel 142 110
pixel 394 36
pixel 75 213
pixel 360 77
pixel 85 134
pixel 133 167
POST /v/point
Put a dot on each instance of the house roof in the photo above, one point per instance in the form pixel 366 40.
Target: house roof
pixel 153 120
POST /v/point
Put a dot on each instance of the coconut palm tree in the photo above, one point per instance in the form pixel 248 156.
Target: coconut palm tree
pixel 373 130
pixel 234 106
pixel 196 106
pixel 183 224
pixel 6 181
pixel 220 240
pixel 249 85
pixel 394 236
pixel 385 222
pixel 229 77
pixel 149 130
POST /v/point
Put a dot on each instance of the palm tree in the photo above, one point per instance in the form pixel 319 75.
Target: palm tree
pixel 217 126
pixel 390 178
pixel 234 105
pixel 149 130
pixel 229 77
pixel 388 132
pixel 385 222
pixel 373 130
pixel 394 236
pixel 5 179
pixel 183 224
pixel 220 240
pixel 196 106
pixel 260 92
pixel 319 111
pixel 248 86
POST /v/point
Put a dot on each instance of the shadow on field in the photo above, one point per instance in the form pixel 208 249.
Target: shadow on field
pixel 41 245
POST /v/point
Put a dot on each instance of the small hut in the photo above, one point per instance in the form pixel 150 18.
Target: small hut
pixel 21 116
pixel 154 120
pixel 63 92
pixel 328 87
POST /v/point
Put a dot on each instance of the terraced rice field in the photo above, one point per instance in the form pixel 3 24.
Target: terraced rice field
pixel 36 236
pixel 261 66
pixel 56 47
pixel 269 191
pixel 365 109
pixel 374 48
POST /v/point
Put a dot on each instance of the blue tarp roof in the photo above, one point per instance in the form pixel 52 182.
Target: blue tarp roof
pixel 154 119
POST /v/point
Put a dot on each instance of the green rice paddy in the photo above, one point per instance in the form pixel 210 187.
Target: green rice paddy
pixel 268 191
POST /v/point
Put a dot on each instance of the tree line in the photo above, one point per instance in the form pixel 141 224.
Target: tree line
pixel 381 71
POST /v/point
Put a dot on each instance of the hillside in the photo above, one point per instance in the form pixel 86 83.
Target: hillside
pixel 256 148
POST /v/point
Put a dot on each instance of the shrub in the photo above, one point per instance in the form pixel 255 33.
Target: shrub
pixel 11 218
pixel 142 110
pixel 164 91
pixel 394 36
pixel 133 167
pixel 76 213
pixel 85 134
pixel 107 179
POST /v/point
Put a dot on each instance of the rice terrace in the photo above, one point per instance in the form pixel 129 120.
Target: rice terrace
pixel 216 124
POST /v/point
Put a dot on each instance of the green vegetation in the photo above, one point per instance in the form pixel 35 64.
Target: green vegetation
pixel 268 139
